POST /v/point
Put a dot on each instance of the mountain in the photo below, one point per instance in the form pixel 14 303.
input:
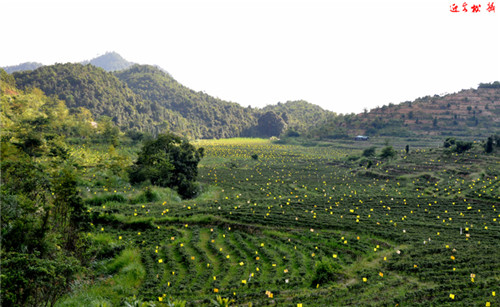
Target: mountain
pixel 300 115
pixel 213 117
pixel 22 67
pixel 469 113
pixel 110 61
pixel 146 98
pixel 85 86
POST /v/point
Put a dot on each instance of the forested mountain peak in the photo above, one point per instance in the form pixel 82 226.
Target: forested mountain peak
pixel 147 98
pixel 212 116
pixel 110 61
pixel 300 115
pixel 85 86
pixel 22 67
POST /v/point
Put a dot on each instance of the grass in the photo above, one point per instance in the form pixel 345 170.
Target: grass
pixel 277 216
pixel 126 275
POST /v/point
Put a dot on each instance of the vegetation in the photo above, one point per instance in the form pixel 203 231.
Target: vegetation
pixel 332 222
pixel 369 152
pixel 86 87
pixel 271 124
pixel 168 161
pixel 299 116
pixel 146 98
pixel 388 153
pixel 43 213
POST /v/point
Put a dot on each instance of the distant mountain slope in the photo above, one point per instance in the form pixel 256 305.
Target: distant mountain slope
pixel 161 103
pixel 301 115
pixel 85 86
pixel 148 98
pixel 472 112
pixel 110 61
pixel 22 67
pixel 215 118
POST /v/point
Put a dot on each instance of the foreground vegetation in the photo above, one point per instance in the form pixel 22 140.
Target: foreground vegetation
pixel 382 222
pixel 305 226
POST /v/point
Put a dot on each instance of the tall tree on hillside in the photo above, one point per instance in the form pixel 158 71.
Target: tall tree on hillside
pixel 271 124
pixel 168 161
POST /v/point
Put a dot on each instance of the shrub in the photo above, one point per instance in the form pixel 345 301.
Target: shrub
pixel 449 142
pixel 369 152
pixel 387 152
pixel 28 280
pixel 100 200
pixel 326 271
pixel 462 146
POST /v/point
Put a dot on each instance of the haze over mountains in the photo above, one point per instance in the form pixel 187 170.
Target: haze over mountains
pixel 147 98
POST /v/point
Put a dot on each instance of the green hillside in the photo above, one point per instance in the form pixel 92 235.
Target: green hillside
pixel 86 86
pixel 301 115
pixel 212 117
pixel 269 224
pixel 468 113
pixel 146 98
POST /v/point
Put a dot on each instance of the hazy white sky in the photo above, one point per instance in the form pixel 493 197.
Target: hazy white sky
pixel 342 55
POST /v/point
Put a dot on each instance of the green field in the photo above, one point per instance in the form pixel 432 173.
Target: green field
pixel 302 225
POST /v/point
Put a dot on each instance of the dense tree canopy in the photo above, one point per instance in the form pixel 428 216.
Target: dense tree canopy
pixel 271 124
pixel 168 161
pixel 146 98
pixel 43 214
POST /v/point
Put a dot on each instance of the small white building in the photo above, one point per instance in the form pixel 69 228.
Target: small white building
pixel 361 138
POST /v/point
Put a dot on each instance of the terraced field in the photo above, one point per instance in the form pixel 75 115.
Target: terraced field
pixel 297 225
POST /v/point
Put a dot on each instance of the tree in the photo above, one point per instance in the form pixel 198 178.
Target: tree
pixel 109 131
pixel 462 146
pixel 43 215
pixel 388 152
pixel 271 124
pixel 168 161
pixel 488 147
pixel 369 152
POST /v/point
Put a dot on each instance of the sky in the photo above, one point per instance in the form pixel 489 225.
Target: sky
pixel 344 56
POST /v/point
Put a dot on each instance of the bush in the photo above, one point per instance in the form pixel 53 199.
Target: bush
pixel 462 146
pixel 292 133
pixel 352 158
pixel 28 280
pixel 326 271
pixel 449 142
pixel 148 195
pixel 388 152
pixel 369 152
pixel 100 200
pixel 168 161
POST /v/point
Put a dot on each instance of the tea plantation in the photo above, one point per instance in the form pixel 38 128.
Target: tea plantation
pixel 300 226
